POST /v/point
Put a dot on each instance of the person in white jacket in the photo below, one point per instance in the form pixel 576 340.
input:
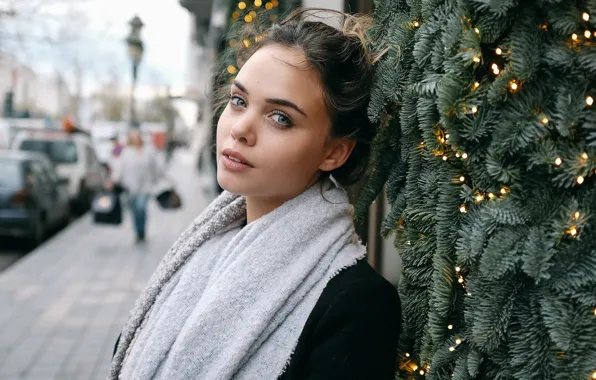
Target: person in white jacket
pixel 137 170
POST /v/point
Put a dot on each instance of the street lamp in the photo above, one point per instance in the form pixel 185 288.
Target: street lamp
pixel 135 52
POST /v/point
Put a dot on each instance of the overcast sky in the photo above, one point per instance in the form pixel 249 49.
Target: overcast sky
pixel 100 27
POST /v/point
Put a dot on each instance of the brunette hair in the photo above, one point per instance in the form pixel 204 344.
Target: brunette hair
pixel 345 65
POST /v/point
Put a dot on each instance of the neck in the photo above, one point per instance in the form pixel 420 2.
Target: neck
pixel 257 207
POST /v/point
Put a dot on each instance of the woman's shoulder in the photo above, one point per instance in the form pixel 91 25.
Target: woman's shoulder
pixel 359 284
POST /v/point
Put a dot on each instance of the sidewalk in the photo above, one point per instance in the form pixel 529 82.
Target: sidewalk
pixel 62 306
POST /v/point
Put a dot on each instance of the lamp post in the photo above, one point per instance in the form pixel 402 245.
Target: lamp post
pixel 135 52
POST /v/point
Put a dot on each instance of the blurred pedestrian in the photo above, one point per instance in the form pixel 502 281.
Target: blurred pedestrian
pixel 136 171
pixel 271 281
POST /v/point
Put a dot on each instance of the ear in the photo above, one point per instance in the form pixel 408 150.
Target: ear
pixel 338 152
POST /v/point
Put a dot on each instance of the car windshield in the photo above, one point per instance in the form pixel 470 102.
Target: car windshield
pixel 10 173
pixel 59 151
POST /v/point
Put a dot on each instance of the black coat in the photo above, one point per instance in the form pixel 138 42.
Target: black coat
pixel 352 332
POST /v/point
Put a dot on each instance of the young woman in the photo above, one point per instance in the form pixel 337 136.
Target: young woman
pixel 137 170
pixel 271 280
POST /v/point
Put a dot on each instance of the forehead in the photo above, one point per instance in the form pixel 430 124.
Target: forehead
pixel 279 72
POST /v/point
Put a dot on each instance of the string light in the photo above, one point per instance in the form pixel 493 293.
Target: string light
pixel 495 68
pixel 268 5
pixel 415 367
pixel 576 215
pixel 462 179
pixel 504 190
pixel 457 269
pixel 474 109
pixel 544 120
pixel 235 15
pixel 491 195
pixel 558 161
pixel 445 158
pixel 248 18
pixel 258 3
pixel 253 14
pixel 589 100
pixel 464 156
pixel 477 30
pixel 585 155
pixel 595 316
pixel 451 348
pixel 458 341
pixel 246 43
pixel 574 36
pixel 499 51
pixel 586 18
pixel 476 85
pixel 580 179
pixel 479 198
pixel 416 24
pixel 573 231
pixel 460 280
pixel 421 372
pixel 587 34
pixel 513 85
pixel 463 209
pixel 450 327
pixel 476 59
pixel 232 69
pixel 407 354
pixel 241 5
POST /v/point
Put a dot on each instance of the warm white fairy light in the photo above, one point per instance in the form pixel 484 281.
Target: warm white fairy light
pixel 460 280
pixel 585 155
pixel 504 190
pixel 457 269
pixel 479 198
pixel 416 24
pixel 462 179
pixel 447 136
pixel 574 36
pixel 513 85
pixel 586 16
pixel 458 341
pixel 477 30
pixel 464 155
pixel 476 85
pixel 451 348
pixel 573 231
pixel 445 158
pixel 491 195
pixel 495 68
pixel 558 161
pixel 576 215
pixel 407 354
pixel 469 294
pixel 580 179
pixel 463 209
pixel 474 109
pixel 499 51
pixel 415 367
pixel 587 34
pixel 476 59
pixel 589 100
pixel 421 372
pixel 450 327
pixel 544 120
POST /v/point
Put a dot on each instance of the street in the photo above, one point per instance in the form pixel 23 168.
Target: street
pixel 63 305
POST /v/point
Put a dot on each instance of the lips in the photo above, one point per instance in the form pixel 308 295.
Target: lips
pixel 236 157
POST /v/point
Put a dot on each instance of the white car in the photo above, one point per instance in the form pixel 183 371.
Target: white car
pixel 74 158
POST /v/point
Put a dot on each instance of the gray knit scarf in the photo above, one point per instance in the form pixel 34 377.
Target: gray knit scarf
pixel 234 307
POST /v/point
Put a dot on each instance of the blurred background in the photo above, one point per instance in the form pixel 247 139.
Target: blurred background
pixel 76 76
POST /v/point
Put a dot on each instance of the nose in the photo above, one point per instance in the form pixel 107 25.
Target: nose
pixel 243 130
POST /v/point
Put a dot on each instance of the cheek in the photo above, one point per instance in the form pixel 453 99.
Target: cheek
pixel 223 127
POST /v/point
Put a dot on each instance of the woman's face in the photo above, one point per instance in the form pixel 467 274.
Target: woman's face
pixel 276 123
pixel 136 139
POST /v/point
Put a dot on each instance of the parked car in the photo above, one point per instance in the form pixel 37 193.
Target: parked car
pixel 74 158
pixel 33 199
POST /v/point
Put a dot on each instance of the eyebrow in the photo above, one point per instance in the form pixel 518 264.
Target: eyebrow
pixel 280 102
